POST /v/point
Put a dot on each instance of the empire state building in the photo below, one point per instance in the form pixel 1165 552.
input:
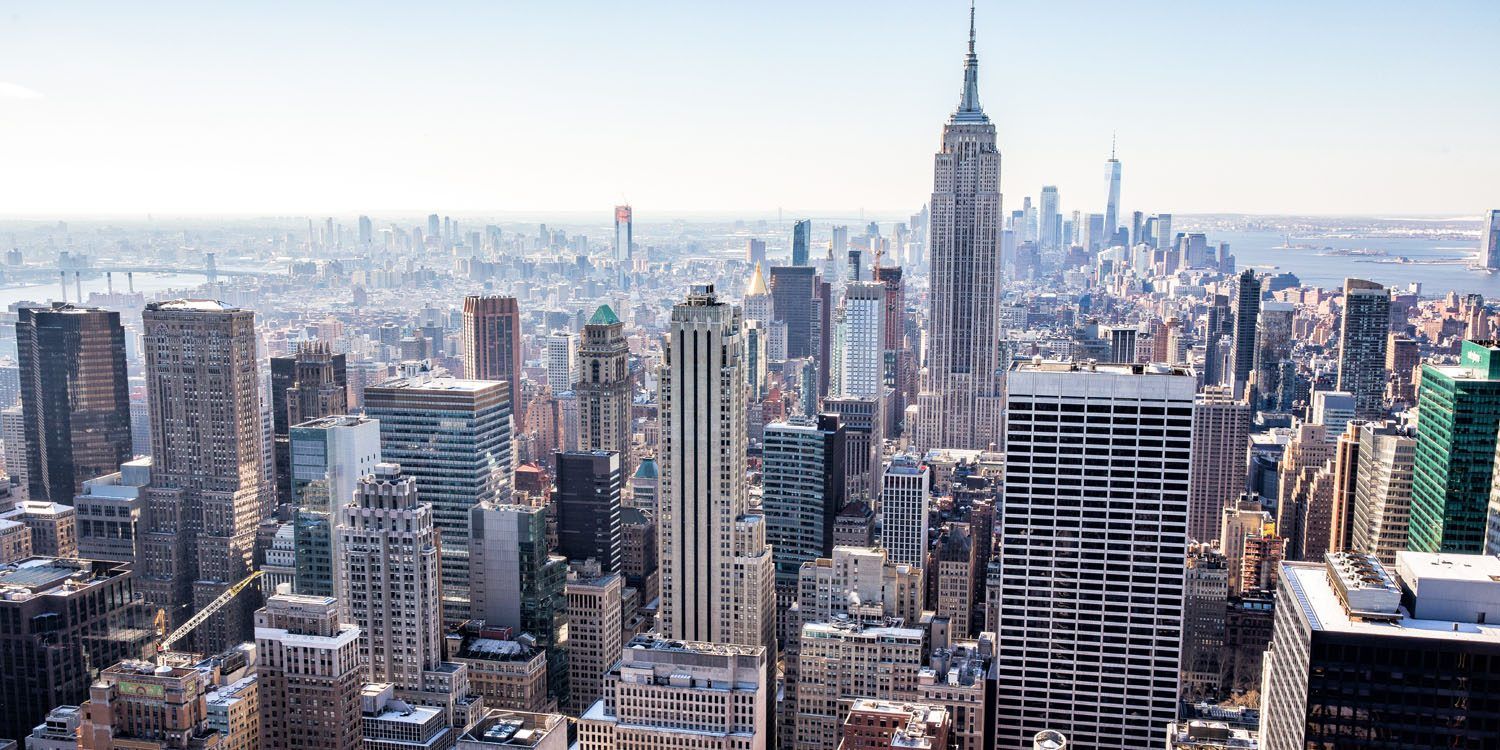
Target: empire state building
pixel 959 405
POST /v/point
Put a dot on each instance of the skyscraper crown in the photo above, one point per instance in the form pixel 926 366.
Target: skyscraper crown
pixel 968 105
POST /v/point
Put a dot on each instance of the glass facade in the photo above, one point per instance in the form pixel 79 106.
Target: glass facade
pixel 1455 451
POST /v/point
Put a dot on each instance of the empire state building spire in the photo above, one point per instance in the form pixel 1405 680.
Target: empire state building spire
pixel 968 105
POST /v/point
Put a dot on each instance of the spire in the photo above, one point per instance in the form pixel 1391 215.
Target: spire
pixel 968 106
pixel 1112 145
pixel 757 284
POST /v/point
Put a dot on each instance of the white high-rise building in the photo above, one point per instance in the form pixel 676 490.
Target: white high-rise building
pixel 388 571
pixel 717 579
pixel 1095 530
pixel 1050 238
pixel 1382 491
pixel 1112 204
pixel 960 398
pixel 562 361
pixel 1221 438
pixel 903 510
pixel 859 354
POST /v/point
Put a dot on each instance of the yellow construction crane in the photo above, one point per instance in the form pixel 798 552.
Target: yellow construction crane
pixel 165 643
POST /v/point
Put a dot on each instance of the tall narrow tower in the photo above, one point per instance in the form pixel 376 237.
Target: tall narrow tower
pixel 961 401
pixel 1112 205
pixel 717 580
pixel 604 387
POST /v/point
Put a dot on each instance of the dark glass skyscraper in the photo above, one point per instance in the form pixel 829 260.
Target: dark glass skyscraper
pixel 1366 329
pixel 308 385
pixel 792 290
pixel 588 507
pixel 74 397
pixel 801 238
pixel 1246 315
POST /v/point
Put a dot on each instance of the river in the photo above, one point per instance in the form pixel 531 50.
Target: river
pixel 1315 268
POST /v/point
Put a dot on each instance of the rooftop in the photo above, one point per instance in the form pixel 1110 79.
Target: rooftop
pixel 192 305
pixel 1312 586
pixel 39 576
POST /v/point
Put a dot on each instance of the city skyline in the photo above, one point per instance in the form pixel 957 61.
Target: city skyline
pixel 105 119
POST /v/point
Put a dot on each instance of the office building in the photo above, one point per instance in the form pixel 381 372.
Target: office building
pixel 904 502
pixel 587 503
pixel 386 547
pixel 15 541
pixel 671 693
pixel 1245 314
pixel 717 580
pixel 1489 241
pixel 859 342
pixel 234 712
pixel 507 670
pixel 605 387
pixel 109 512
pixel 515 730
pixel 793 289
pixel 638 554
pixel 1049 232
pixel 884 725
pixel 309 675
pixel 1382 494
pixel 801 240
pixel 58 732
pixel 864 436
pixel 209 487
pixel 802 491
pixel 136 705
pixel 492 345
pixel 859 584
pixel 841 660
pixel 1205 594
pixel 1221 437
pixel 1361 658
pixel 472 464
pixel 1273 349
pixel 518 585
pixel 1362 346
pixel 312 383
pixel 53 527
pixel 74 397
pixel 1112 202
pixel 959 403
pixel 1122 343
pixel 64 620
pixel 390 723
pixel 1453 465
pixel 327 458
pixel 755 251
pixel 562 361
pixel 594 632
pixel 1071 514
pixel 954 577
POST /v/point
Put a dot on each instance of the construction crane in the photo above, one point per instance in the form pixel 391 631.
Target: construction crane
pixel 218 603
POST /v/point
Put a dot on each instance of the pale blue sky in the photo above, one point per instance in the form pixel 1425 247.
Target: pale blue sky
pixel 1318 107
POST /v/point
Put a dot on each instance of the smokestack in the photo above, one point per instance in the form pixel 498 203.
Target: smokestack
pixel 109 282
pixel 62 281
pixel 130 278
pixel 78 284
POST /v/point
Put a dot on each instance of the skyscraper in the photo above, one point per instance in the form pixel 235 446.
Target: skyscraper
pixel 1069 640
pixel 624 242
pixel 1362 345
pixel 74 398
pixel 904 503
pixel 1489 241
pixel 1221 440
pixel 1049 238
pixel 492 344
pixel 801 239
pixel 587 502
pixel 802 491
pixel 594 632
pixel 209 490
pixel 562 361
pixel 1246 314
pixel 1382 494
pixel 388 581
pixel 717 581
pixel 328 457
pixel 308 675
pixel 309 384
pixel 898 357
pixel 792 293
pixel 859 342
pixel 961 398
pixel 1455 453
pixel 1358 656
pixel 1112 203
pixel 517 584
pixel 605 387
pixel 472 463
